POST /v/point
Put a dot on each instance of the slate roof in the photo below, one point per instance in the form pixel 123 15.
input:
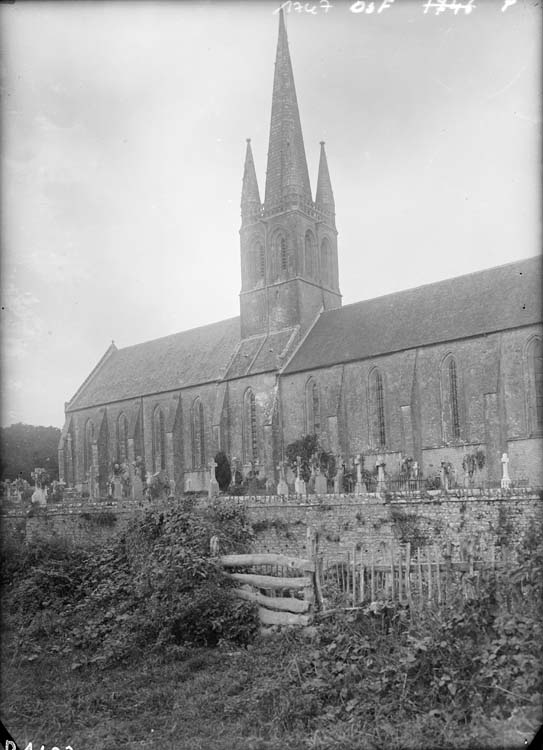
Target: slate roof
pixel 260 354
pixel 495 299
pixel 199 355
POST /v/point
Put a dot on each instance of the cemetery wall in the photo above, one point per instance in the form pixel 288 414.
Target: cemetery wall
pixel 372 521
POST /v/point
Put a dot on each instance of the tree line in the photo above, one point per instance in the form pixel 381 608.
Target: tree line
pixel 24 447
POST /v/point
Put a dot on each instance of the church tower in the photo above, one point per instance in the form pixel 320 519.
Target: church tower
pixel 289 262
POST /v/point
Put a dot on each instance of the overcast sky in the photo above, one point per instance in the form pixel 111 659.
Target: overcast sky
pixel 124 128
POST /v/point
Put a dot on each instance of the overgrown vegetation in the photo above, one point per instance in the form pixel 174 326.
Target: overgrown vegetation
pixel 153 587
pixel 468 676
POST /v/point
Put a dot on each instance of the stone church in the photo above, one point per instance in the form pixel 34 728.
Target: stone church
pixel 435 373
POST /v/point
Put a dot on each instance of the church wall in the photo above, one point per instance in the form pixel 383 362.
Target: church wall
pixel 263 388
pixel 479 362
pixel 79 421
pixel 515 367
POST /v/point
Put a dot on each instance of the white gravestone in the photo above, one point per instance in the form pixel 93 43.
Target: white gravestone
pixel 213 484
pixel 282 486
pixel 321 484
pixel 506 479
pixel 358 463
pixel 299 484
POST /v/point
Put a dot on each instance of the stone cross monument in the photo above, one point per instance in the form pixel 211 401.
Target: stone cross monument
pixel 213 484
pixel 299 484
pixel 506 479
pixel 282 486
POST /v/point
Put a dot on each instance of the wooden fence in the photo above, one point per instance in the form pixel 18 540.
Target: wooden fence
pixel 289 590
pixel 283 587
pixel 424 577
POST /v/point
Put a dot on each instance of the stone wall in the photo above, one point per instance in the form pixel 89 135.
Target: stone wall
pixel 371 522
pixel 367 522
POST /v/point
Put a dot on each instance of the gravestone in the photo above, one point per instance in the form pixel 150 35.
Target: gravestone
pixel 137 488
pixel 358 490
pixel 39 498
pixel 338 479
pixel 93 483
pixel 213 484
pixel 299 484
pixel 444 477
pixel 321 484
pixel 117 488
pixel 506 479
pixel 381 481
pixel 282 486
pixel 271 488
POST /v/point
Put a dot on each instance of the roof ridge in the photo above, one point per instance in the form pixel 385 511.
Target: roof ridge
pixel 179 333
pixel 434 283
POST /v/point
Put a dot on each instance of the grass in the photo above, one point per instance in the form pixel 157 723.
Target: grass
pixel 207 699
pixel 153 702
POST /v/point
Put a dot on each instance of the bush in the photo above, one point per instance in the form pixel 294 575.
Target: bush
pixel 154 586
pixel 223 473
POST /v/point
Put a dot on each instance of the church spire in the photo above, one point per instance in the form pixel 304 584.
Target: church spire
pixel 287 176
pixel 250 197
pixel 324 198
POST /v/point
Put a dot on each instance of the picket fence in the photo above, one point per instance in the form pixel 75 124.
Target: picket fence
pixel 420 578
pixel 290 590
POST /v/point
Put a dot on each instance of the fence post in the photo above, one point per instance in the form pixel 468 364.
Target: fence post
pixel 392 573
pixel 429 564
pixel 372 575
pixel 408 573
pixel 419 574
pixel 362 574
pixel 354 575
pixel 438 570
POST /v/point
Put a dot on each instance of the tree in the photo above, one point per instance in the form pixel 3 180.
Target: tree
pixel 311 453
pixel 25 447
pixel 223 473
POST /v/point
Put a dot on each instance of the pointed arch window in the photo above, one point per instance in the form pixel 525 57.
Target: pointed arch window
pixel 312 408
pixel 261 261
pixel 535 367
pixel 451 401
pixel 453 390
pixel 250 439
pixel 197 434
pixel 309 253
pixel 325 261
pixel 284 255
pixel 377 404
pixel 88 440
pixel 122 439
pixel 159 440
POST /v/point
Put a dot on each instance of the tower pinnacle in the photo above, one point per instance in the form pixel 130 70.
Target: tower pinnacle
pixel 250 197
pixel 287 176
pixel 324 198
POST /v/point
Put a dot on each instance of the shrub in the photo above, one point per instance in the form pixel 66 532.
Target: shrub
pixel 223 473
pixel 153 586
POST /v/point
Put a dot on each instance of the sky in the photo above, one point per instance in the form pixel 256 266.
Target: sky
pixel 123 141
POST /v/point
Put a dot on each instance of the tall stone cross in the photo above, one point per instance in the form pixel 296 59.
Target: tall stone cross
pixel 282 486
pixel 338 479
pixel 381 482
pixel 506 479
pixel 213 484
pixel 299 484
